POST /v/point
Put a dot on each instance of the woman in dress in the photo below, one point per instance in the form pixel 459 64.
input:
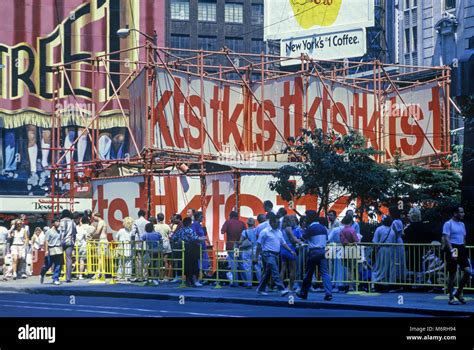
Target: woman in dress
pixel 191 251
pixel 381 268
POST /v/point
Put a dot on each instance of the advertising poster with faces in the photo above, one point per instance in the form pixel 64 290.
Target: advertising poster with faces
pixel 26 156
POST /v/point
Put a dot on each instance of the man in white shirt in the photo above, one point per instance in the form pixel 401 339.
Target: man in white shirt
pixel 332 220
pixel 269 243
pixel 24 265
pixel 138 229
pixel 454 240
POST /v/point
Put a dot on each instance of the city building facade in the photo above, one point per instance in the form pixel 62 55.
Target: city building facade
pixel 212 24
pixel 435 33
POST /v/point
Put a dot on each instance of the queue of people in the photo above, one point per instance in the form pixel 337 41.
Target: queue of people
pixel 274 246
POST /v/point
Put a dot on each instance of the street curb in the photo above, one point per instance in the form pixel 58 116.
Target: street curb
pixel 245 301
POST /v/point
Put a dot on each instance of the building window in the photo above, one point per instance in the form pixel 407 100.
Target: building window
pixel 407 4
pixel 234 13
pixel 257 46
pixel 207 11
pixel 180 10
pixel 257 13
pixel 407 41
pixel 414 31
pixel 208 43
pixel 414 17
pixel 449 4
pixel 235 44
pixel 180 41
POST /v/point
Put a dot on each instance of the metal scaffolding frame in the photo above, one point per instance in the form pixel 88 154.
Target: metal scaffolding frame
pixel 243 69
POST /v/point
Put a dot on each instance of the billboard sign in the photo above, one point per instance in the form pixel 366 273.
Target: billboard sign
pixel 298 18
pixel 232 122
pixel 325 46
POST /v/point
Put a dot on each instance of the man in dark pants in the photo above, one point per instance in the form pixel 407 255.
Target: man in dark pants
pixel 454 240
pixel 67 230
pixel 316 237
pixel 269 243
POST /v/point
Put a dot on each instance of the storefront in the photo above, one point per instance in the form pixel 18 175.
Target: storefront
pixel 37 209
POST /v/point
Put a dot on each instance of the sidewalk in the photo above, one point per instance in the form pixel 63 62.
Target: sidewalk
pixel 417 303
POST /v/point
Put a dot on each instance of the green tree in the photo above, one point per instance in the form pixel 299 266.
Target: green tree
pixel 332 166
pixel 420 185
pixel 366 179
pixel 320 169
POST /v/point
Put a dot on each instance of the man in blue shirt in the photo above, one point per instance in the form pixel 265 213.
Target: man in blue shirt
pixel 269 243
pixel 154 243
pixel 262 225
pixel 316 237
pixel 454 239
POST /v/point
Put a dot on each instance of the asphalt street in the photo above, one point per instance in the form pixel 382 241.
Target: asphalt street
pixel 37 305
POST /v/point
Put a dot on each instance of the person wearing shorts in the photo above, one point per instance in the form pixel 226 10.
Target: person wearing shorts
pixel 18 246
pixel 455 253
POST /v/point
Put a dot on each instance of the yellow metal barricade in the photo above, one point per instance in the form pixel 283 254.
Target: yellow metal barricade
pixel 357 267
pixel 232 266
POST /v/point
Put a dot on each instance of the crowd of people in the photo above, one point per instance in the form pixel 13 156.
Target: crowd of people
pixel 281 249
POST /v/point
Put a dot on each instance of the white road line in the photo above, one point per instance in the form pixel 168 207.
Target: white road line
pixel 76 310
pixel 120 308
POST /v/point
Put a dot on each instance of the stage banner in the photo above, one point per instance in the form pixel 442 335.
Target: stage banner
pixel 260 121
pixel 178 193
pixel 190 119
pixel 121 197
pixel 413 121
pixel 220 195
pixel 175 194
pixel 117 198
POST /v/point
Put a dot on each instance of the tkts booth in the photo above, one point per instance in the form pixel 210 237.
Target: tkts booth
pixel 226 186
pixel 213 144
pixel 161 129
